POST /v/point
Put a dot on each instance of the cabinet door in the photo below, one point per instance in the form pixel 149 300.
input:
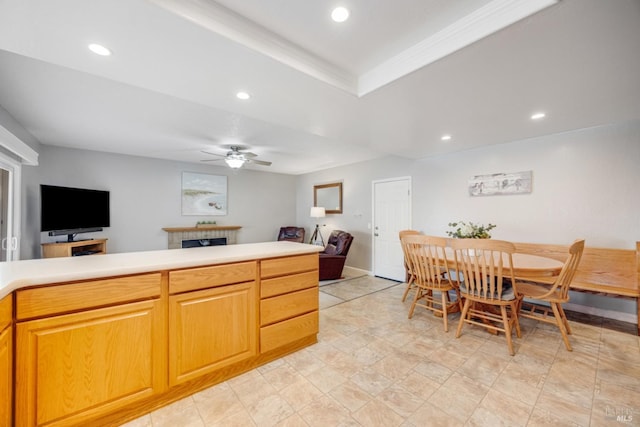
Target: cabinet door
pixel 210 329
pixel 80 365
pixel 6 377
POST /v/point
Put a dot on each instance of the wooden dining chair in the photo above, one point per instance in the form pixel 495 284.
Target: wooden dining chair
pixel 485 271
pixel 554 294
pixel 427 260
pixel 409 276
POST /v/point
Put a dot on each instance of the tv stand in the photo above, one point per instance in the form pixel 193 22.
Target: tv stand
pixel 75 248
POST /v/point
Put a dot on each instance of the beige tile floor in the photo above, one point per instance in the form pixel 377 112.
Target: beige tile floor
pixel 374 367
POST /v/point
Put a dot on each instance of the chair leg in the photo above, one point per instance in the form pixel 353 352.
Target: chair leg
pixel 515 312
pixel 459 299
pixel 445 302
pixel 560 323
pixel 410 284
pixel 507 328
pixel 430 300
pixel 415 301
pixel 465 309
pixel 564 318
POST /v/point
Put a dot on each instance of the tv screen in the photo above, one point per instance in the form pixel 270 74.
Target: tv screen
pixel 70 210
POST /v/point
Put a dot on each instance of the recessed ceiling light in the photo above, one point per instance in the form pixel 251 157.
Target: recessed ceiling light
pixel 538 116
pixel 243 95
pixel 98 49
pixel 340 14
pixel 446 137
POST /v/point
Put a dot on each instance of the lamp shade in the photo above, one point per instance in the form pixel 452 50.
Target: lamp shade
pixel 234 163
pixel 317 212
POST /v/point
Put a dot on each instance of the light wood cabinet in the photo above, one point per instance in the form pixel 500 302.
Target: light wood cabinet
pixel 289 305
pixel 208 277
pixel 77 366
pixel 211 329
pixel 212 319
pixel 288 300
pixel 60 299
pixel 78 248
pixel 288 283
pixel 104 350
pixel 282 333
pixel 6 361
pixel 279 267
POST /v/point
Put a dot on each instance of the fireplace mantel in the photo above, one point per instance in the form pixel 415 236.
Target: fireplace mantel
pixel 201 228
pixel 177 234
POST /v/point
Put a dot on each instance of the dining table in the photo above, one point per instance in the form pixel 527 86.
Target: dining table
pixel 524 265
pixel 528 266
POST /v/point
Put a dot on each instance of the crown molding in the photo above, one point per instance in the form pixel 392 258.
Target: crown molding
pixel 12 143
pixel 235 27
pixel 484 21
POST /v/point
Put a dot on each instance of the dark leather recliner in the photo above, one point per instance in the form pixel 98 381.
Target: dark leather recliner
pixel 334 255
pixel 291 234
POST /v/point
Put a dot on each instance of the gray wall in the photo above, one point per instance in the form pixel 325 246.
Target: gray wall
pixel 585 185
pixel 145 197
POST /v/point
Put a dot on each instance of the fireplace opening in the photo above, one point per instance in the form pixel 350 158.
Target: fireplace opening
pixel 197 243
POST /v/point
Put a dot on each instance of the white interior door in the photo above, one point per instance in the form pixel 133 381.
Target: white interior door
pixel 9 208
pixel 4 202
pixel 391 213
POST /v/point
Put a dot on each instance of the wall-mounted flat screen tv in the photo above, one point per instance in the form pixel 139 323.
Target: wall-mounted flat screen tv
pixel 67 210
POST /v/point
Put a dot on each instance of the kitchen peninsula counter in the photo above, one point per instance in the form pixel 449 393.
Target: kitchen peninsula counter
pixel 102 339
pixel 19 274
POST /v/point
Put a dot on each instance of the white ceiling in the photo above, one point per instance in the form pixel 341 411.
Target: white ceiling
pixel 391 80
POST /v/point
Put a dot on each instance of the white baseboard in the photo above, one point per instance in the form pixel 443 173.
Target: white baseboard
pixel 609 314
pixel 357 271
pixel 595 311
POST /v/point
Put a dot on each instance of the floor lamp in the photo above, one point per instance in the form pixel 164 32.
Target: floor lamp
pixel 317 212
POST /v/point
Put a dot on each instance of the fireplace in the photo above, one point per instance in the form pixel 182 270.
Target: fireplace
pixel 197 243
pixel 209 235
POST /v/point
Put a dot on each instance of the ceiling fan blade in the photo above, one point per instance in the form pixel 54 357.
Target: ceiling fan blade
pixel 248 154
pixel 259 162
pixel 211 160
pixel 213 154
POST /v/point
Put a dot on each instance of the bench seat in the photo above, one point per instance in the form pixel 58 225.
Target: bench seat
pixel 602 271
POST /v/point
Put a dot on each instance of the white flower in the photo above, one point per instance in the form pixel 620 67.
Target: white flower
pixel 467 230
pixel 464 230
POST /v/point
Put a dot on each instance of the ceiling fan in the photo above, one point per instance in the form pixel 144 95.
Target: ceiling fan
pixel 236 157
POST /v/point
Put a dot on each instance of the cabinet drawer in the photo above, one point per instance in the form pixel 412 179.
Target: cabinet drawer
pixel 83 295
pixel 282 333
pixel 287 306
pixel 208 277
pixel 286 284
pixel 5 312
pixel 288 265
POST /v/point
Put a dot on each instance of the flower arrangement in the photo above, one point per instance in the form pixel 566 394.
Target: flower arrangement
pixel 469 230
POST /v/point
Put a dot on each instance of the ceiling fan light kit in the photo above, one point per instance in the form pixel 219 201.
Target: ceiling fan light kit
pixel 236 158
pixel 234 162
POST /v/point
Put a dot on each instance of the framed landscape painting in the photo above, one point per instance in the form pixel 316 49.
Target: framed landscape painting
pixel 500 183
pixel 204 194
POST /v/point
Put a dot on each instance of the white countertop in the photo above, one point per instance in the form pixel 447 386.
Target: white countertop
pixel 19 274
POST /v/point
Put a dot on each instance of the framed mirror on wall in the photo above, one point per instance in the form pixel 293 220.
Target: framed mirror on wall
pixel 328 196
